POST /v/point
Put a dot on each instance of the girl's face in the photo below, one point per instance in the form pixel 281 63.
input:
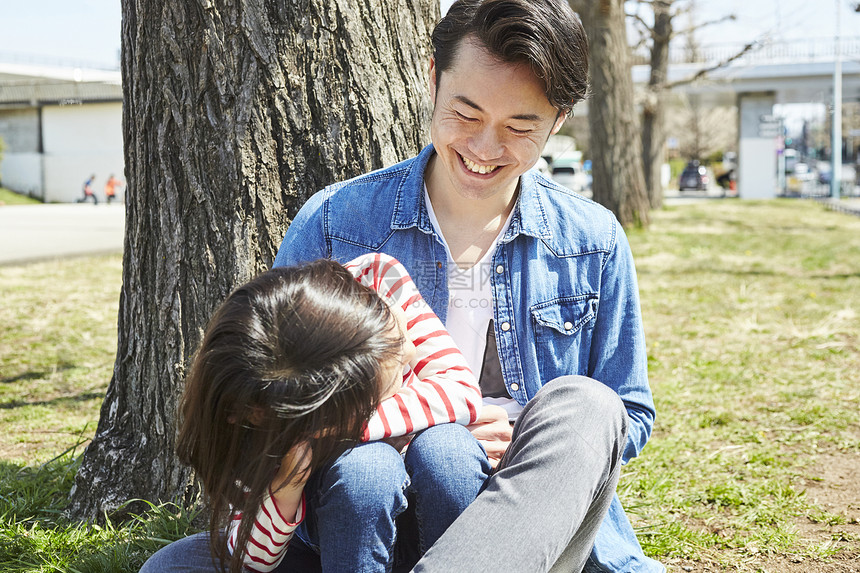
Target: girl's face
pixel 392 370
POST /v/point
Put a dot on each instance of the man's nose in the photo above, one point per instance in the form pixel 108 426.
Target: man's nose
pixel 486 144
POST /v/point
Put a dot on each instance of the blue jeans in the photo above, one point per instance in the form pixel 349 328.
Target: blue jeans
pixel 357 518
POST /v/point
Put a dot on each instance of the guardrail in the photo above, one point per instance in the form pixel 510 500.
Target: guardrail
pixel 58 62
pixel 767 51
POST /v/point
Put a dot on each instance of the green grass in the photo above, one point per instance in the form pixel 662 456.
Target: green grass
pixel 35 536
pixel 11 198
pixel 751 316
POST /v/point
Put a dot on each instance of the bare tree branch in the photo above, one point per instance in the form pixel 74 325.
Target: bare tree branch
pixel 646 30
pixel 681 9
pixel 705 71
pixel 635 16
pixel 726 18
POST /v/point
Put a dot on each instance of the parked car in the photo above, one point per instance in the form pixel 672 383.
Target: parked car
pixel 694 176
pixel 801 181
pixel 570 173
pixel 543 166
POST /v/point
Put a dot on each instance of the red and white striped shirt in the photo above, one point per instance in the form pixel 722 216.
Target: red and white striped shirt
pixel 437 388
pixel 440 387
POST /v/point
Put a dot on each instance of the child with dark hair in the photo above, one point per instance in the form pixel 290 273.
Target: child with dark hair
pixel 301 370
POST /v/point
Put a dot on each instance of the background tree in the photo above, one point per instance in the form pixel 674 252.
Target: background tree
pixel 653 108
pixel 616 149
pixel 656 32
pixel 233 114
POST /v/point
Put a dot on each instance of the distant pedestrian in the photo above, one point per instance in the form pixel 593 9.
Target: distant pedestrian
pixel 725 180
pixel 88 191
pixel 110 188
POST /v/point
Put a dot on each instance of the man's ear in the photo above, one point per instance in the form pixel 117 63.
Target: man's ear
pixel 432 80
pixel 559 121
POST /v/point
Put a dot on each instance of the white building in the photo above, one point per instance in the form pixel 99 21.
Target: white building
pixel 59 126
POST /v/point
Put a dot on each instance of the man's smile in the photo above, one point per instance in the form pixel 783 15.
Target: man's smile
pixel 475 168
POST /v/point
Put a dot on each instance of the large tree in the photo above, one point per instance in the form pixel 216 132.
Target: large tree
pixel 616 149
pixel 234 113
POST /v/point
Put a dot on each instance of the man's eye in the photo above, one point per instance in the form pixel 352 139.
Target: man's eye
pixel 520 131
pixel 463 117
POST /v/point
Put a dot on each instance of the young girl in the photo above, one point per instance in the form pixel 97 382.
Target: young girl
pixel 295 368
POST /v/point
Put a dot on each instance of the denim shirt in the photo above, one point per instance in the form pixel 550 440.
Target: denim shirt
pixel 564 288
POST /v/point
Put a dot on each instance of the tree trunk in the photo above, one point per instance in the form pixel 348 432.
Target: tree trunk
pixel 654 112
pixel 234 113
pixel 616 147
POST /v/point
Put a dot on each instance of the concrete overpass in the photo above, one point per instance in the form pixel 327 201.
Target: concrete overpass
pixel 796 72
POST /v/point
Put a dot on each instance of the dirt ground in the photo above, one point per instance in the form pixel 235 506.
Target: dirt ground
pixel 832 482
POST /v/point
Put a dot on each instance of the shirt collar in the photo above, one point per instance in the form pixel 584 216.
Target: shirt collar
pixel 409 210
pixel 529 216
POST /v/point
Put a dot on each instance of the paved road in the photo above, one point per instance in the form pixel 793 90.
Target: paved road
pixel 43 232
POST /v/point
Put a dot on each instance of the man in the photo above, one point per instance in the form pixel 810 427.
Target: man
pixel 535 283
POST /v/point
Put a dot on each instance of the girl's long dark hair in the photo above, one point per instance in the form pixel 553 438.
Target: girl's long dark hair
pixel 291 356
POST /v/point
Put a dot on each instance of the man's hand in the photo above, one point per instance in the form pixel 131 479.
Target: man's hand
pixel 494 431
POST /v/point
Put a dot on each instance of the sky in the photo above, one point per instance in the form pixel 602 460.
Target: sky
pixel 784 20
pixel 89 30
pixel 60 31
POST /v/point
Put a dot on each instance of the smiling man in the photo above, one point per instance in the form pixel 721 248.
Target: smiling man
pixel 536 285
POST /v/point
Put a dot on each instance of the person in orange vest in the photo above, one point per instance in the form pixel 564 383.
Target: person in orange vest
pixel 110 188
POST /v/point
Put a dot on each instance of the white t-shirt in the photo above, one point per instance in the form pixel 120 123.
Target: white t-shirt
pixel 470 308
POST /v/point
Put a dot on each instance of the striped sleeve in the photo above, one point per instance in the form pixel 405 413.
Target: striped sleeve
pixel 269 537
pixel 438 387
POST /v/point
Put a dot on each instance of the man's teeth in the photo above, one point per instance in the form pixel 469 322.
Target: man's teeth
pixel 475 168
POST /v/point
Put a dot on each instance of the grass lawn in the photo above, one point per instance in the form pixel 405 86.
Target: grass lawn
pixel 751 315
pixel 11 198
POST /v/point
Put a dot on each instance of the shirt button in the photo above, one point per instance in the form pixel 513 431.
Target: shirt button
pixel 438 264
pixel 568 325
pixel 515 386
pixel 500 269
pixel 506 326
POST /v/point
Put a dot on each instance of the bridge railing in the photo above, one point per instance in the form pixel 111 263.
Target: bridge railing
pixel 763 52
pixel 55 61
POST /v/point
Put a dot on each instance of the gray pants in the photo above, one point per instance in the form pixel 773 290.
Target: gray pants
pixel 542 509
pixel 539 512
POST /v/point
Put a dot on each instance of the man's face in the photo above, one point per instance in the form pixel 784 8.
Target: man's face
pixel 490 123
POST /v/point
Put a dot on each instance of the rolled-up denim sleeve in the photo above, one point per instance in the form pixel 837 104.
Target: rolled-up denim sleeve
pixel 305 239
pixel 618 353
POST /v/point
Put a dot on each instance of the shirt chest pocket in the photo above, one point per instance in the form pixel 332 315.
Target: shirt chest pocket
pixel 562 330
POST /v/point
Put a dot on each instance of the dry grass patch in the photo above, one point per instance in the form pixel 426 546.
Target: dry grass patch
pixel 57 348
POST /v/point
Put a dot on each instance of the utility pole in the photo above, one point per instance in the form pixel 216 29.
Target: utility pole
pixel 836 146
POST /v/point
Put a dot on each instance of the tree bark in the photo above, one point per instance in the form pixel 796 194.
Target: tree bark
pixel 653 111
pixel 234 113
pixel 616 147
